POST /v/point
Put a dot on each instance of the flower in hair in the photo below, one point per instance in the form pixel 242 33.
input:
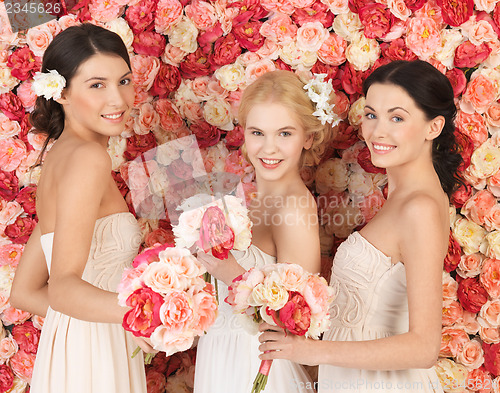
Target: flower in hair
pixel 320 92
pixel 48 84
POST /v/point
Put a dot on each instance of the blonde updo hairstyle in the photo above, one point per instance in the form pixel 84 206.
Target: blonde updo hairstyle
pixel 285 88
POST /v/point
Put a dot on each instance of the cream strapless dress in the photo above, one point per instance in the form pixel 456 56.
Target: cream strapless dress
pixel 76 356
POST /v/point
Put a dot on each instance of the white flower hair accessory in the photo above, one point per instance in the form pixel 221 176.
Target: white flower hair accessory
pixel 48 84
pixel 320 93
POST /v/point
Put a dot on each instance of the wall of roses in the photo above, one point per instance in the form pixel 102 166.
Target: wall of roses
pixel 192 60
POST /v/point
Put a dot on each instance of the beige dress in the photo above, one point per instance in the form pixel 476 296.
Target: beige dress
pixel 371 303
pixel 76 356
pixel 227 359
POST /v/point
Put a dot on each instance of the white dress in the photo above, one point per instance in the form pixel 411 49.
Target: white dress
pixel 76 356
pixel 227 356
pixel 371 302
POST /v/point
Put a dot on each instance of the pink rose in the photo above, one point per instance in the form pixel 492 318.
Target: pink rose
pixel 452 341
pixel 473 126
pixel 492 219
pixel 10 254
pixel 457 79
pixel 105 11
pixel 452 312
pixel 168 14
pixel 176 313
pixel 159 236
pixel 423 37
pixel 208 37
pixel 12 151
pixel 144 69
pixel 216 236
pixel 480 93
pixel 195 64
pixel 284 6
pixel 8 128
pixel 470 323
pixel 6 378
pixel 26 336
pixel 170 119
pixel 471 355
pixel 279 28
pixel 237 164
pixel 478 206
pixel 166 81
pixel 143 317
pixel 376 19
pixel 468 55
pixel 183 263
pixel 492 114
pixel 294 316
pixel 12 316
pixel 36 141
pixel 471 294
pixel 38 39
pixel 490 312
pixel 450 287
pixel 205 311
pixel 23 63
pixel 490 277
pixel 258 68
pixel 456 12
pixel 470 265
pixel 8 347
pixel 332 51
pixel 155 381
pixel 490 335
pixel 149 255
pixel 201 13
pixel 141 15
pixel 22 364
pixel 20 231
pixel 316 294
pixel 493 184
pixel 311 35
pixel 315 12
pixel 248 36
pixel 226 51
pixel 149 43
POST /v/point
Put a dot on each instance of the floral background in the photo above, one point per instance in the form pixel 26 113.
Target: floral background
pixel 192 60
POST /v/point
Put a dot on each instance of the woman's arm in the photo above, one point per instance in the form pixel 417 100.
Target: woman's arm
pixel 80 190
pixel 29 289
pixel 423 244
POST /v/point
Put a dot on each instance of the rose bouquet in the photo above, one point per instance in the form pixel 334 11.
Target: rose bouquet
pixel 170 302
pixel 283 295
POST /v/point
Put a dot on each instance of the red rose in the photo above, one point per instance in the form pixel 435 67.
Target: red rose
pixel 248 10
pixel 281 65
pixel 397 50
pixel 355 5
pixel 155 381
pixel 6 378
pixel 23 63
pixel 166 81
pixel 295 315
pixel 159 236
pixel 122 186
pixel 11 106
pixel 144 317
pixel 376 19
pixel 160 362
pixel 149 43
pixel 248 35
pixel 235 137
pixel 209 36
pixel 352 80
pixel 456 12
pixel 452 258
pixel 465 148
pixel 138 144
pixel 20 231
pixel 206 134
pixel 195 64
pixel 364 160
pixel 496 15
pixel 141 16
pixel 226 51
pixel 26 198
pixel 461 195
pixel 181 170
pixel 468 55
pixel 316 12
pixel 415 5
pixel 471 294
pixel 215 235
pixel 27 336
pixel 346 136
pixel 9 185
pixel 457 79
pixel 492 358
pixel 332 73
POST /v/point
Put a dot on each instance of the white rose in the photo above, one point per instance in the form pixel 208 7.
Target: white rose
pixel 217 112
pixel 231 76
pixel 469 235
pixel 450 40
pixel 356 112
pixel 7 81
pixel 485 161
pixel 347 25
pixel 297 58
pixel 116 147
pixel 332 174
pixel 48 84
pixel 121 27
pixel 493 245
pixel 183 35
pixel 362 52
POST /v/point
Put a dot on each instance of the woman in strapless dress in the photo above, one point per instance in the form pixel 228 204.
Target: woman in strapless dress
pixel 85 236
pixel 281 132
pixel 385 329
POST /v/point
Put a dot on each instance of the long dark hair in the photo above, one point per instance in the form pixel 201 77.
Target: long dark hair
pixel 65 54
pixel 433 94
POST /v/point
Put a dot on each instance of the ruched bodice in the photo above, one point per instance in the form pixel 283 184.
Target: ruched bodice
pixel 370 303
pixel 92 357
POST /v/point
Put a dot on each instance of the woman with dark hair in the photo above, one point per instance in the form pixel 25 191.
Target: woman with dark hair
pixel 385 329
pixel 85 233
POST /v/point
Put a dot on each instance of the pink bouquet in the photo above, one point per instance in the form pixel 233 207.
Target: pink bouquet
pixel 283 295
pixel 170 302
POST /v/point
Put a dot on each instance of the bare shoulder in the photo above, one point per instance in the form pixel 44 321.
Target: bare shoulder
pixel 420 207
pixel 90 154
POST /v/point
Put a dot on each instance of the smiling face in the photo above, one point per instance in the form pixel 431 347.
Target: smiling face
pixel 395 130
pixel 274 141
pixel 100 97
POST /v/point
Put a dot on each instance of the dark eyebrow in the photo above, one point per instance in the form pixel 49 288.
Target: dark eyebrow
pixel 99 78
pixel 389 111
